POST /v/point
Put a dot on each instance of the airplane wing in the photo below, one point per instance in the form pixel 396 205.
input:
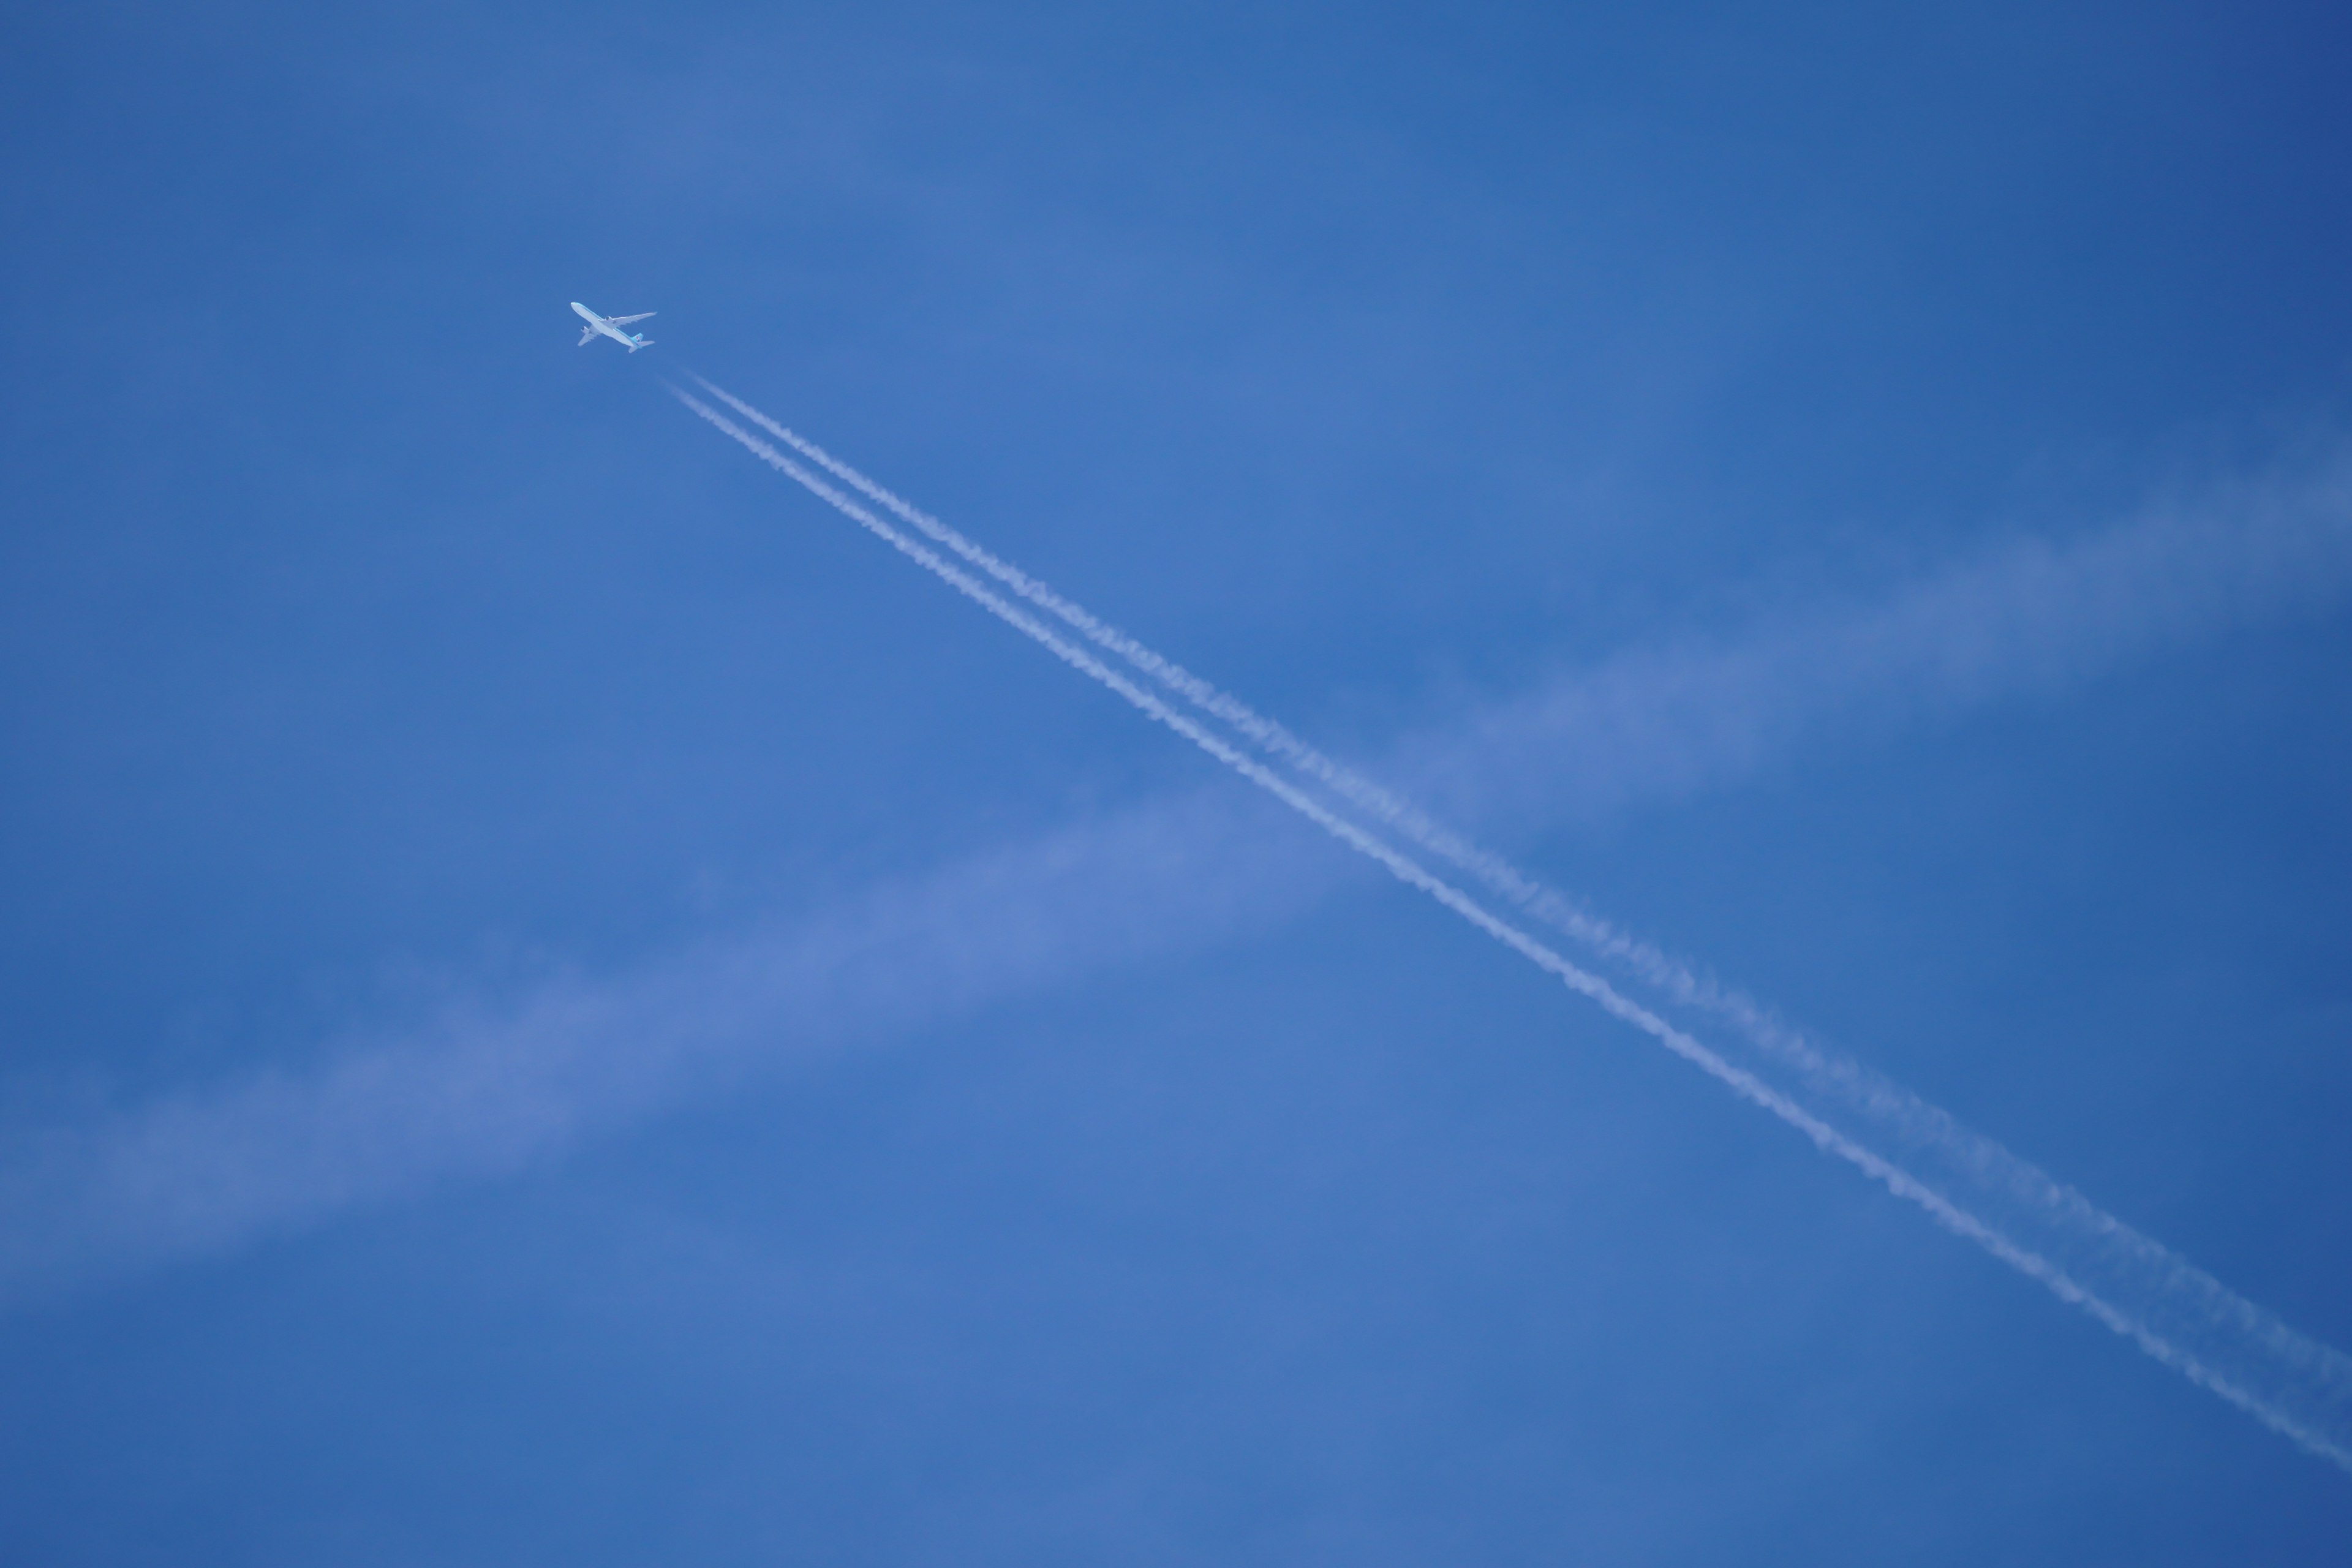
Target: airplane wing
pixel 624 321
pixel 587 336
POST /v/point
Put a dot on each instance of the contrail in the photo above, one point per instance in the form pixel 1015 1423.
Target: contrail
pixel 2297 1386
pixel 2063 1221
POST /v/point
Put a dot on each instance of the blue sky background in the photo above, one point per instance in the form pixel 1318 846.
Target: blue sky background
pixel 378 669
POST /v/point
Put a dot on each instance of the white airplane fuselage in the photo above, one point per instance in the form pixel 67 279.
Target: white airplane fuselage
pixel 602 326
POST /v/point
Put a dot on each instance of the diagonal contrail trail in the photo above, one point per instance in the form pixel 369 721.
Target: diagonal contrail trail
pixel 2297 1386
pixel 2060 1220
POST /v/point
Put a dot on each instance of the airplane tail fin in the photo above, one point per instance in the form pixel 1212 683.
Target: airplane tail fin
pixel 636 343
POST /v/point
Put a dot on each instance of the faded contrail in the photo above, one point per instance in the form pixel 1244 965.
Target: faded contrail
pixel 2291 1384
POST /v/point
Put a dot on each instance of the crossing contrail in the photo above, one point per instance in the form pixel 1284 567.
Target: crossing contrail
pixel 2176 1314
pixel 2060 1219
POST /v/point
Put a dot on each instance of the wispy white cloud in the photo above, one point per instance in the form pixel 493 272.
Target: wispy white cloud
pixel 2038 616
pixel 488 1090
pixel 495 1085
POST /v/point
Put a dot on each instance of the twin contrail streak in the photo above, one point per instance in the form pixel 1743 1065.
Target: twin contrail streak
pixel 2131 1284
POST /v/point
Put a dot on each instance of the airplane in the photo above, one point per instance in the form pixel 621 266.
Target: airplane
pixel 610 327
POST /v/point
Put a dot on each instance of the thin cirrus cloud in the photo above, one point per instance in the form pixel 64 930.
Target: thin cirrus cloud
pixel 2036 617
pixel 493 1086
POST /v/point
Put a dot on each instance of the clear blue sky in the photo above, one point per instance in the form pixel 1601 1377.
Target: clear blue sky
pixel 562 1006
